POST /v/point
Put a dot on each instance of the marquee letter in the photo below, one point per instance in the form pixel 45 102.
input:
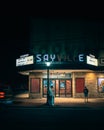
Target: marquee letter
pixel 38 56
pixel 52 57
pixel 45 57
pixel 81 57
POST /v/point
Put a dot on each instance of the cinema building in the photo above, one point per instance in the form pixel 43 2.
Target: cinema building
pixel 73 50
pixel 67 78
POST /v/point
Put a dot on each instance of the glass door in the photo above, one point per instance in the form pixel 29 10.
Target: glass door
pixel 44 87
pixel 57 88
pixel 68 88
pixel 62 86
pixel 51 84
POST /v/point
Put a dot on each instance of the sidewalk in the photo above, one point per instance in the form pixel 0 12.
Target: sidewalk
pixel 96 103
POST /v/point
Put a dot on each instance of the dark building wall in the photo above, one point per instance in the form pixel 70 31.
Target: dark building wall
pixel 49 35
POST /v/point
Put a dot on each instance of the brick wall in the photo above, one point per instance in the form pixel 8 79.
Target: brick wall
pixel 91 83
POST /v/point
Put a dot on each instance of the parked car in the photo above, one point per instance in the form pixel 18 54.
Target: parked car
pixel 6 94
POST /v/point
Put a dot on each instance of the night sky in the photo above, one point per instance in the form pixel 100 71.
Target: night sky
pixel 14 41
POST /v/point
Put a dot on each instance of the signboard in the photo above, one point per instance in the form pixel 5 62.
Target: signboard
pixel 39 58
pixel 24 61
pixel 45 57
pixel 92 61
pixel 101 61
pixel 42 58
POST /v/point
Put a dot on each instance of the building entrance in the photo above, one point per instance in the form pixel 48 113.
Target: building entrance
pixel 61 87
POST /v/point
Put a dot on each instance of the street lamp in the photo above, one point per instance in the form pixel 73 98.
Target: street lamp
pixel 48 64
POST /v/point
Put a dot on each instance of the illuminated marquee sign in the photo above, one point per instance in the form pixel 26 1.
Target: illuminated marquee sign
pixel 45 57
pixel 81 57
pixel 101 61
pixel 24 60
pixel 92 60
pixel 56 58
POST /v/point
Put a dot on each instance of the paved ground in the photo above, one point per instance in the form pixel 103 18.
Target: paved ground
pixel 23 100
pixel 95 103
pixel 71 113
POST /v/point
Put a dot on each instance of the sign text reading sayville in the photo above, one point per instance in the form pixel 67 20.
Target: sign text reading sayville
pixel 53 57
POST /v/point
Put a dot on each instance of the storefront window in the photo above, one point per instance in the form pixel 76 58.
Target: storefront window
pixel 45 83
pixel 62 84
pixel 51 83
pixel 101 84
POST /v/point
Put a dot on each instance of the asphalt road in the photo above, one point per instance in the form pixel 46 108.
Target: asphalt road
pixel 51 118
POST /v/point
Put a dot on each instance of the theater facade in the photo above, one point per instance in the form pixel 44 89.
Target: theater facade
pixel 75 50
pixel 67 77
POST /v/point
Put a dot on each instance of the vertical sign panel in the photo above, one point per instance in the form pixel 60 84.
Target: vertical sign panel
pixel 35 85
pixel 79 85
pixel 57 88
pixel 68 87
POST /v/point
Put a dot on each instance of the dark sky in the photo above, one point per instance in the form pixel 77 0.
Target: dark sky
pixel 14 39
pixel 13 43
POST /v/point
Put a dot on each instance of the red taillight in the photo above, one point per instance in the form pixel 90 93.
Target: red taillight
pixel 2 94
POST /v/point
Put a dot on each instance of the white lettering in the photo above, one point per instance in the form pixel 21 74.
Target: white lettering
pixel 46 57
pixel 81 57
pixel 38 58
pixel 52 57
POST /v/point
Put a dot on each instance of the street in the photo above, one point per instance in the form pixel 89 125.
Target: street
pixel 51 118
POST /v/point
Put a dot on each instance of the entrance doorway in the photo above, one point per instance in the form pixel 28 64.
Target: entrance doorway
pixel 61 87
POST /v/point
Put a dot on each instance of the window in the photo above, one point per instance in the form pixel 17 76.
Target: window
pixel 101 84
pixel 62 84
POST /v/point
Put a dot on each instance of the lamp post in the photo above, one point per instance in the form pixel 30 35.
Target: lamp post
pixel 48 64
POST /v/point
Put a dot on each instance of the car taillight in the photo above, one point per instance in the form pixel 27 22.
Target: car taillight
pixel 2 94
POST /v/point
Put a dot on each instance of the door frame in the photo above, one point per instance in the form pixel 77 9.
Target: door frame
pixel 65 95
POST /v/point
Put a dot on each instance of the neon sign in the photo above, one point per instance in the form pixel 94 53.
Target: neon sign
pixel 58 58
pixel 81 57
pixel 45 57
